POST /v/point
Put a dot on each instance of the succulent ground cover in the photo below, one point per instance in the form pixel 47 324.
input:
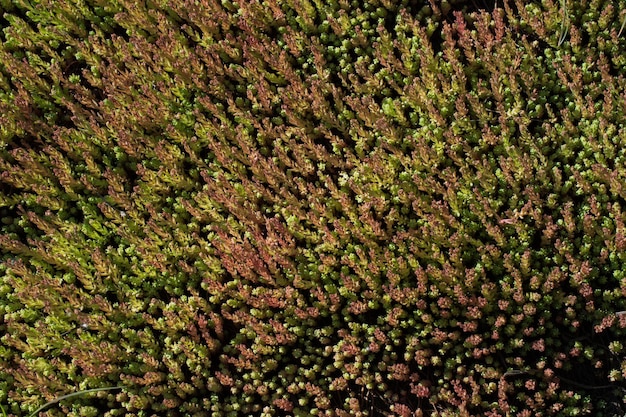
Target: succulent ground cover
pixel 307 207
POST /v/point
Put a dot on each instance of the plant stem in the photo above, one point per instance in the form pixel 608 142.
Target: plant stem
pixel 63 397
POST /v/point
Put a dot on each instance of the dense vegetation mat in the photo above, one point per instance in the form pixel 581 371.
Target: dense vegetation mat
pixel 311 207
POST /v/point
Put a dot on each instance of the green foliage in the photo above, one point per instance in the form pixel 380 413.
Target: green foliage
pixel 312 207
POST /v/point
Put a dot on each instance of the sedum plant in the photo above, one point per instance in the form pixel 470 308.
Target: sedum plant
pixel 329 208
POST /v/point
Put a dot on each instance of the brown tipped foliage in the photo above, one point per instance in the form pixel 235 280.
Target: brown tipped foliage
pixel 313 208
